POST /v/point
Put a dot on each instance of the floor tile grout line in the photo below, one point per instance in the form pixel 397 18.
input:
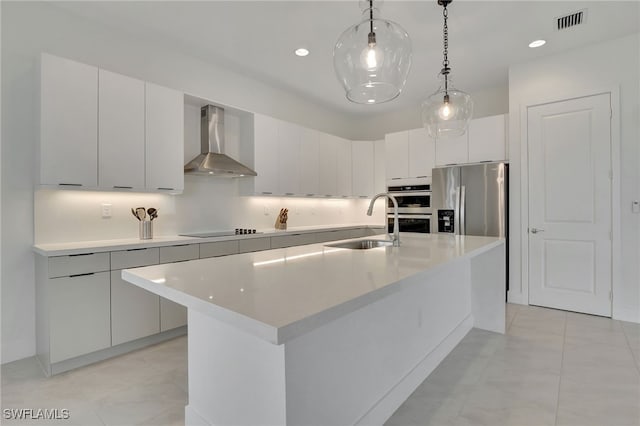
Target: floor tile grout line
pixel 564 338
pixel 633 354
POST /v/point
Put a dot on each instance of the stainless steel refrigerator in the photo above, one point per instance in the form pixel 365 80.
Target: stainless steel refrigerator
pixel 472 200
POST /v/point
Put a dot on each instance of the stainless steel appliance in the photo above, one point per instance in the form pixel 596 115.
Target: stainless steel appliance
pixel 472 200
pixel 414 205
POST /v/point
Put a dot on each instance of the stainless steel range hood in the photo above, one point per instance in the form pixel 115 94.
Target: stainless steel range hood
pixel 212 161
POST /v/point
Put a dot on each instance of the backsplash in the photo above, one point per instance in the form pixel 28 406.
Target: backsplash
pixel 206 205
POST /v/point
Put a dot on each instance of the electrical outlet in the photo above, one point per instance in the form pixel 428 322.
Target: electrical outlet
pixel 106 211
pixel 266 210
pixel 635 206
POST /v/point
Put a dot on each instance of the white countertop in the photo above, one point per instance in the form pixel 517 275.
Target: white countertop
pixel 282 293
pixel 80 247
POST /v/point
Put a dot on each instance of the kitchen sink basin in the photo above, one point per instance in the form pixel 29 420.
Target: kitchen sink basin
pixel 361 244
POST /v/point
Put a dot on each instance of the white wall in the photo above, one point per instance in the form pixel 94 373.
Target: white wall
pixel 29 28
pixel 583 71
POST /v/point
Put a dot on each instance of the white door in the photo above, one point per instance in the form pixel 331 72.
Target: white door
pixel 569 146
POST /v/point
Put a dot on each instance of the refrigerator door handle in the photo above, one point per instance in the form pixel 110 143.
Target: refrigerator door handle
pixel 456 213
pixel 463 213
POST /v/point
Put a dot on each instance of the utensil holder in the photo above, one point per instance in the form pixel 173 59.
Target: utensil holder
pixel 146 230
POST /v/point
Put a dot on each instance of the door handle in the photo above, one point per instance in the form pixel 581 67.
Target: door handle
pixel 535 230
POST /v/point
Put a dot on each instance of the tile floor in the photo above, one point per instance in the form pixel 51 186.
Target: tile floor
pixel 551 368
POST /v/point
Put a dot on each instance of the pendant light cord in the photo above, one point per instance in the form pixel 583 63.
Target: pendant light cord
pixel 445 62
pixel 372 35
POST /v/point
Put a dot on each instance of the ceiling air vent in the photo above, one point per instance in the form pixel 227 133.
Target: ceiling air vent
pixel 571 20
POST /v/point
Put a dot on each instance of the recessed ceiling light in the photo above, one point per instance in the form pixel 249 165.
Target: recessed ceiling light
pixel 302 51
pixel 537 43
pixel 371 101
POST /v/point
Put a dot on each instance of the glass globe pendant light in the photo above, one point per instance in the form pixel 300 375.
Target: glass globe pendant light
pixel 372 59
pixel 447 112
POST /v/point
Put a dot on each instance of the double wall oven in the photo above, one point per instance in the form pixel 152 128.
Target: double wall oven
pixel 414 205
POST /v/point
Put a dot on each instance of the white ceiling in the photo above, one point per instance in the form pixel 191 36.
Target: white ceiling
pixel 257 38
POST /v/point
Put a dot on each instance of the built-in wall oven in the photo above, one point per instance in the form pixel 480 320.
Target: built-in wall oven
pixel 414 205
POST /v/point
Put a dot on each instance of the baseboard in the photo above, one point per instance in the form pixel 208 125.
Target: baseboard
pixel 626 314
pixel 516 298
pixel 81 361
pixel 394 398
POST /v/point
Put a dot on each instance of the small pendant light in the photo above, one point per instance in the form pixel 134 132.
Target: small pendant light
pixel 372 59
pixel 447 112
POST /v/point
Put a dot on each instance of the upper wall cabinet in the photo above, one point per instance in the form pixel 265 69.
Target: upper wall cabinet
pixel 409 154
pixel 452 150
pixel 363 163
pixel 164 147
pixel 121 133
pixel 297 161
pixel 104 130
pixel 68 123
pixel 487 139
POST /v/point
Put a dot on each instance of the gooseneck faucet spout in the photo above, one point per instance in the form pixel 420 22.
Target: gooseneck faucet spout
pixel 396 232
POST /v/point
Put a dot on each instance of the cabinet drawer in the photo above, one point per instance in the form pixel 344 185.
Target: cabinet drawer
pixel 221 248
pixel 322 237
pixel 79 315
pixel 254 244
pixel 134 258
pixel 63 266
pixel 292 240
pixel 179 253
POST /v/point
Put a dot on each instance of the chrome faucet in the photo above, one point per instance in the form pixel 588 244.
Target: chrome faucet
pixel 396 232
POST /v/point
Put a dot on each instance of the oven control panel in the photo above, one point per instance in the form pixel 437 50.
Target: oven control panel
pixel 445 221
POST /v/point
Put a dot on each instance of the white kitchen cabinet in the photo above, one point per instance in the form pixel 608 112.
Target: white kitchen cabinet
pixel 328 164
pixel 179 253
pixel 487 139
pixel 363 163
pixel 266 155
pixel 164 141
pixel 221 248
pixel 292 240
pixel 79 315
pixel 452 150
pixel 289 135
pixel 135 312
pixel 68 123
pixel 343 164
pixel 254 244
pixel 421 153
pixel 379 167
pixel 309 162
pixel 172 315
pixel 121 133
pixel 397 155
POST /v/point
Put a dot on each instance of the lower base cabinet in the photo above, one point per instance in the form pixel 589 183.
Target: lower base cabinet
pixel 79 315
pixel 135 312
pixel 172 315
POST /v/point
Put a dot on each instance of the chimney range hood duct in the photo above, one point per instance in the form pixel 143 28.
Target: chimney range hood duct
pixel 212 161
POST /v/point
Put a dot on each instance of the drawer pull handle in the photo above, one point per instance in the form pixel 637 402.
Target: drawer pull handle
pixel 166 189
pixel 70 184
pixel 180 245
pixel 267 192
pixel 81 275
pixel 81 254
pixel 122 187
pixel 137 249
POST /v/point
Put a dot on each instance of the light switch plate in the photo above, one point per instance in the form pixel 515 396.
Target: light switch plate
pixel 106 210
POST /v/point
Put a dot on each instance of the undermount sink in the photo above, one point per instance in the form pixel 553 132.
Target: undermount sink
pixel 361 244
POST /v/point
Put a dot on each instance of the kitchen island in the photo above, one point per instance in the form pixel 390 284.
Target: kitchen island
pixel 318 334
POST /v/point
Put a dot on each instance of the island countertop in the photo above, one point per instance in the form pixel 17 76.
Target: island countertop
pixel 283 293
